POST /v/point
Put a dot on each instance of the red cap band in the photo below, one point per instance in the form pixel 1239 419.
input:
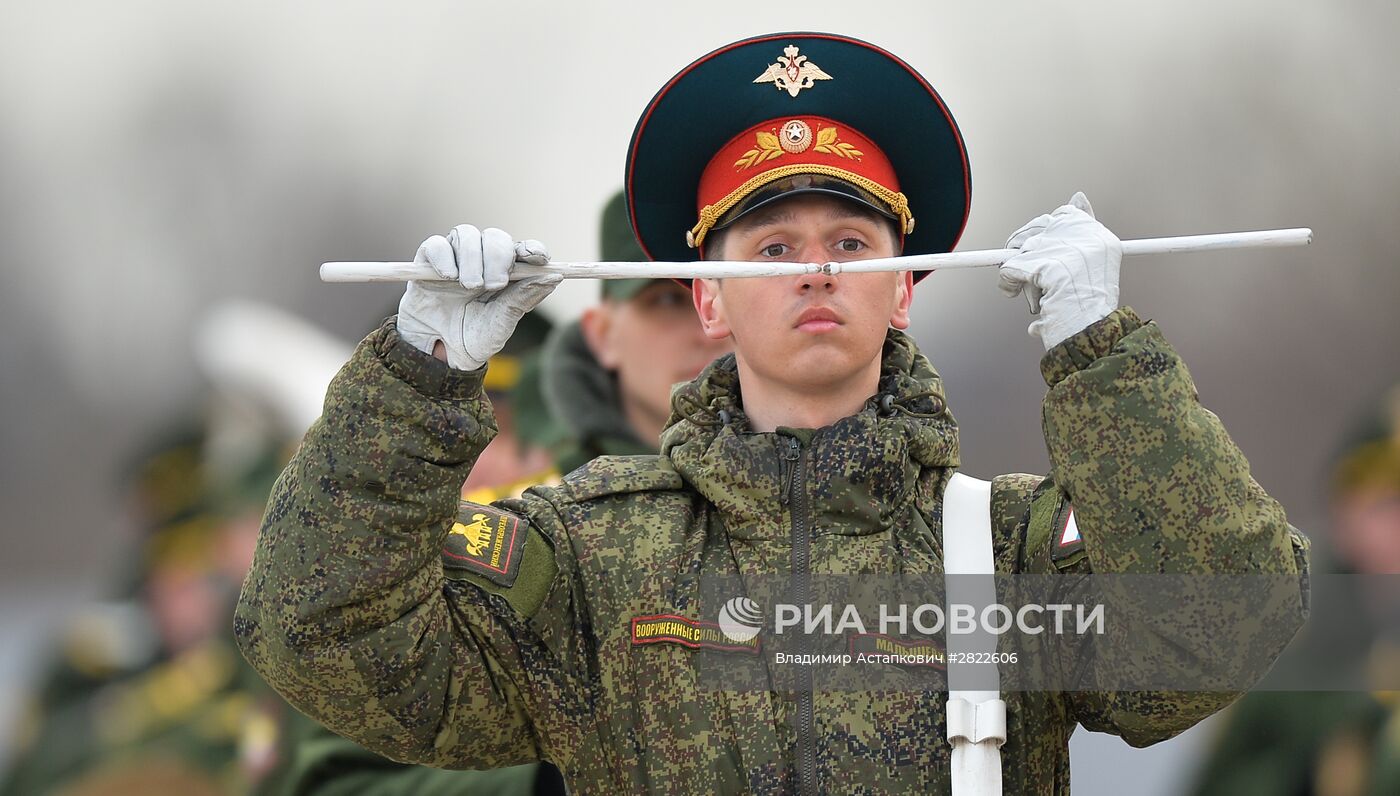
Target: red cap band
pixel 780 148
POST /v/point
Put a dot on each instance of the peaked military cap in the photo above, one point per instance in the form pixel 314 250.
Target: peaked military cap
pixel 786 113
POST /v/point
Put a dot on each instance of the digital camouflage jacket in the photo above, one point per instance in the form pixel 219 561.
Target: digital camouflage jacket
pixel 484 636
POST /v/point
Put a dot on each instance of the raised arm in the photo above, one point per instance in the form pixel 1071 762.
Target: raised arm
pixel 1157 488
pixel 349 610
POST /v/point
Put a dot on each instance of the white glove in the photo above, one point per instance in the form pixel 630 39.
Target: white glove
pixel 1068 269
pixel 475 313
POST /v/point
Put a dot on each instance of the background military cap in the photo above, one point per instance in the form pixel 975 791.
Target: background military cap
pixel 166 475
pixel 619 245
pixel 1369 456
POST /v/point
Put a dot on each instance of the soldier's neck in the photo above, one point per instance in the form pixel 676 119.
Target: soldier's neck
pixel 646 424
pixel 770 403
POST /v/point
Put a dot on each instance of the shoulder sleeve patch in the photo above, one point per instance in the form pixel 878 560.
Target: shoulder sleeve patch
pixel 1067 546
pixel 1053 540
pixel 487 541
pixel 612 475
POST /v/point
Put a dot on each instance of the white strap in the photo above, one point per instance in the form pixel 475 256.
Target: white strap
pixel 976 713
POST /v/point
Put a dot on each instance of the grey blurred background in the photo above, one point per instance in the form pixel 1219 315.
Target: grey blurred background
pixel 156 157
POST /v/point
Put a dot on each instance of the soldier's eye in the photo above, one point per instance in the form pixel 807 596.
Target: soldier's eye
pixel 775 250
pixel 850 245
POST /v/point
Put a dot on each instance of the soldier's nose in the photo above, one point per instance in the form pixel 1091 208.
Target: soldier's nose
pixel 817 281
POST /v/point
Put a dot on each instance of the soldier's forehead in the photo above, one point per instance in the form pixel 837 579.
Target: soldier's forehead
pixel 787 211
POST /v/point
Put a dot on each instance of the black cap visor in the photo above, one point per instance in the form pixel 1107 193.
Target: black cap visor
pixel 798 184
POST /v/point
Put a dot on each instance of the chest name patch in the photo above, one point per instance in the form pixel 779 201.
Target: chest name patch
pixel 487 541
pixel 692 633
pixel 905 652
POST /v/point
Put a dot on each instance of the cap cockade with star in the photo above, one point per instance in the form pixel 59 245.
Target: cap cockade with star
pixel 786 113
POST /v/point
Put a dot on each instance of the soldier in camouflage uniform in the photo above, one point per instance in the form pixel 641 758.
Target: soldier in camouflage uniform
pixel 193 711
pixel 116 639
pixel 477 636
pixel 607 377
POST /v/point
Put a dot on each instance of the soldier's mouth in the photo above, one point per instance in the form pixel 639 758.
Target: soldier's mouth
pixel 817 320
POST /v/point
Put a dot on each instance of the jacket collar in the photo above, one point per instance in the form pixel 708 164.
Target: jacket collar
pixel 861 471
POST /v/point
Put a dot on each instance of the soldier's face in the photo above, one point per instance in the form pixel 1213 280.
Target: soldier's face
pixel 651 341
pixel 810 332
pixel 1367 530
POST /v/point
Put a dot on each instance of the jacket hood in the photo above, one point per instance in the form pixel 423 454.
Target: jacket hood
pixel 862 470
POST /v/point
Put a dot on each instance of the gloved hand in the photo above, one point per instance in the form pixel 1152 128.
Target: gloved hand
pixel 1068 269
pixel 475 313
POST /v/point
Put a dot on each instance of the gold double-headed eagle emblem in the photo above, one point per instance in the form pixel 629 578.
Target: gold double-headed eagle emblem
pixel 792 73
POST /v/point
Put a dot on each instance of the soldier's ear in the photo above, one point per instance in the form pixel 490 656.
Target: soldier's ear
pixel 597 326
pixel 709 305
pixel 903 298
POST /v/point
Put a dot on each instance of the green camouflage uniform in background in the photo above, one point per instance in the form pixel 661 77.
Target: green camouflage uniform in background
pixel 1385 775
pixel 364 609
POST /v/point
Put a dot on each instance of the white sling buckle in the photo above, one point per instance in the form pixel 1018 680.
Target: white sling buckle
pixel 976 713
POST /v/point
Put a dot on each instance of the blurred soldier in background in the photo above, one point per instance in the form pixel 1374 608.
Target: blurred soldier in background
pixel 606 382
pixel 608 376
pixel 148 690
pixel 1335 743
pixel 115 637
pixel 148 694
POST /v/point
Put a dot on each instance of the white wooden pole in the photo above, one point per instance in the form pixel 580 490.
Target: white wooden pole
pixel 717 269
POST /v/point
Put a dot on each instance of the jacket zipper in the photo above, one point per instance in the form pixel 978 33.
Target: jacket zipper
pixel 795 495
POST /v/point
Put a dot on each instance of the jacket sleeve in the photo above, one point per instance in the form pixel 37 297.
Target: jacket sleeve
pixel 347 610
pixel 1158 488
